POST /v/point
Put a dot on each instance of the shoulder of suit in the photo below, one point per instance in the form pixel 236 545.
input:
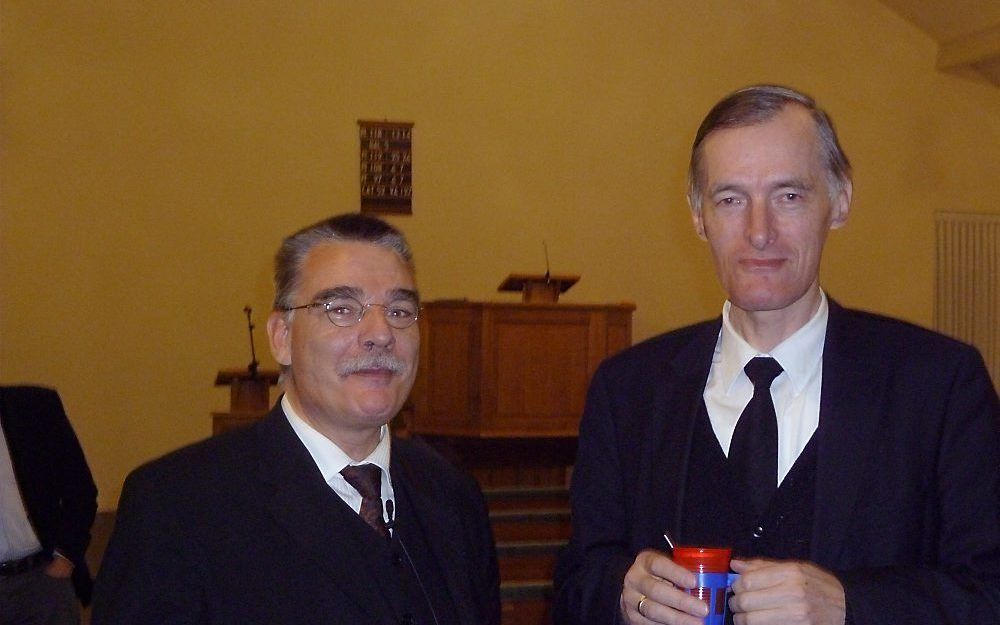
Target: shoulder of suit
pixel 31 406
pixel 663 347
pixel 29 389
pixel 26 394
pixel 889 333
pixel 227 452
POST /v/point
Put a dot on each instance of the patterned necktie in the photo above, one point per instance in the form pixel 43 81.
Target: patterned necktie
pixel 753 451
pixel 367 480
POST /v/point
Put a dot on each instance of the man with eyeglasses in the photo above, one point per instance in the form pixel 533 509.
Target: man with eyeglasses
pixel 316 514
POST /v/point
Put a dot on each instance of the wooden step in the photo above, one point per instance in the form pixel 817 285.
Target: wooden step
pixel 526 602
pixel 511 498
pixel 530 524
pixel 528 559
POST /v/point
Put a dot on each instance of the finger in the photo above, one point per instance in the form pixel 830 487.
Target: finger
pixel 634 607
pixel 741 566
pixel 666 569
pixel 669 604
pixel 655 576
pixel 758 574
pixel 639 582
pixel 651 567
pixel 787 588
pixel 662 602
pixel 639 577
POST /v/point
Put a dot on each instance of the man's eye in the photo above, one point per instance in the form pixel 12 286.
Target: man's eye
pixel 729 201
pixel 341 309
pixel 400 312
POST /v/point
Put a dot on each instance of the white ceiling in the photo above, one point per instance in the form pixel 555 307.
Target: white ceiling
pixel 967 33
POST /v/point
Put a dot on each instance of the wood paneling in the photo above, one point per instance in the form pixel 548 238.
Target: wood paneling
pixel 511 369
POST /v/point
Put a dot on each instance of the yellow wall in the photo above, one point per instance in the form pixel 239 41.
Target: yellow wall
pixel 154 154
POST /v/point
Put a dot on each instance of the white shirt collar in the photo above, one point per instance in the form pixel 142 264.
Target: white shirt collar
pixel 329 457
pixel 800 355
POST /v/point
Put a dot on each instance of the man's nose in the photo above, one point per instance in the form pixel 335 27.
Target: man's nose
pixel 374 328
pixel 760 226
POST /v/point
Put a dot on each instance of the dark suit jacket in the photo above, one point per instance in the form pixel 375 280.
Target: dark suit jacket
pixel 907 508
pixel 242 528
pixel 52 474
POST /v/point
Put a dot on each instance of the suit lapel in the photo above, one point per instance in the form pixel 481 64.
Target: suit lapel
pixel 677 404
pixel 440 524
pixel 4 411
pixel 849 421
pixel 303 504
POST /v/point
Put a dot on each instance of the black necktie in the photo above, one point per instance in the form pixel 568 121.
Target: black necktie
pixel 754 448
pixel 367 480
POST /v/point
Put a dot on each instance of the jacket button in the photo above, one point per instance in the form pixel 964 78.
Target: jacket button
pixel 758 531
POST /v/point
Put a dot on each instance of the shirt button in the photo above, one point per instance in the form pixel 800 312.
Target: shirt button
pixel 758 531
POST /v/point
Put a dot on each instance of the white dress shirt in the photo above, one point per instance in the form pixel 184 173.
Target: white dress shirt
pixel 796 391
pixel 330 459
pixel 17 537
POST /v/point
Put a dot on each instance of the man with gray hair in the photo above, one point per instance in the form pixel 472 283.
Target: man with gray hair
pixel 316 514
pixel 850 461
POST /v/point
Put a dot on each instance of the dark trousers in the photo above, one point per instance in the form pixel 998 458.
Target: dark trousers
pixel 34 598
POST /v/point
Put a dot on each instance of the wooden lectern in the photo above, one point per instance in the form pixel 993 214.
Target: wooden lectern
pixel 249 397
pixel 502 385
pixel 500 370
pixel 538 289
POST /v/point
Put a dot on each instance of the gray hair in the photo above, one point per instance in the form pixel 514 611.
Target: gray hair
pixel 340 228
pixel 758 104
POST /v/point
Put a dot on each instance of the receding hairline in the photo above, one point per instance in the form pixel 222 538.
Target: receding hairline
pixel 757 105
pixel 406 264
pixel 344 228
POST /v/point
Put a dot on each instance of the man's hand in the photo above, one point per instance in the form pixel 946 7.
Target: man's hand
pixel 656 577
pixel 60 568
pixel 786 592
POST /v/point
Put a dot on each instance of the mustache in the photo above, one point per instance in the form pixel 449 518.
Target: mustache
pixel 380 360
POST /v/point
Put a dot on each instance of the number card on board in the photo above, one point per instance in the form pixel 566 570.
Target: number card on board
pixel 386 167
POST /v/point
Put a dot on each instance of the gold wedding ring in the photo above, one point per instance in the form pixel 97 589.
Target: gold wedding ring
pixel 638 607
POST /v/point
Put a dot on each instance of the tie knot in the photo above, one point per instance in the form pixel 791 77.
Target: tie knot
pixel 365 478
pixel 762 371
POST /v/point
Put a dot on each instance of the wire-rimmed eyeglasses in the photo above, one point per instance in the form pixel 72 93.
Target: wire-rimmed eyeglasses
pixel 345 312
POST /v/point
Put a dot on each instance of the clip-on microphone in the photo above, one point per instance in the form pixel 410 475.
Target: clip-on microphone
pixel 390 524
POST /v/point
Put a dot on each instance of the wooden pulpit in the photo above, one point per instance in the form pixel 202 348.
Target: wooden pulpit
pixel 538 288
pixel 249 397
pixel 495 369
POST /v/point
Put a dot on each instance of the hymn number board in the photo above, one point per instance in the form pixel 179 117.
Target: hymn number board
pixel 386 167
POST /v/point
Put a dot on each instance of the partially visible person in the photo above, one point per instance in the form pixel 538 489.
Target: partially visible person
pixel 48 501
pixel 317 514
pixel 851 461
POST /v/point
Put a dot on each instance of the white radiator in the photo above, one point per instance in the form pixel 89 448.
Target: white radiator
pixel 967 291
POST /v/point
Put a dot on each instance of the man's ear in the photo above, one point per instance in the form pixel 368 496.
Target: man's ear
pixel 698 221
pixel 279 334
pixel 841 206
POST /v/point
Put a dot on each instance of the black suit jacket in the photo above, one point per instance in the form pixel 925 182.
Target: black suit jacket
pixel 56 485
pixel 907 510
pixel 242 528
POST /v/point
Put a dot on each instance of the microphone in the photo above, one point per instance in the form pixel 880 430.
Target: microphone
pixel 390 512
pixel 548 275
